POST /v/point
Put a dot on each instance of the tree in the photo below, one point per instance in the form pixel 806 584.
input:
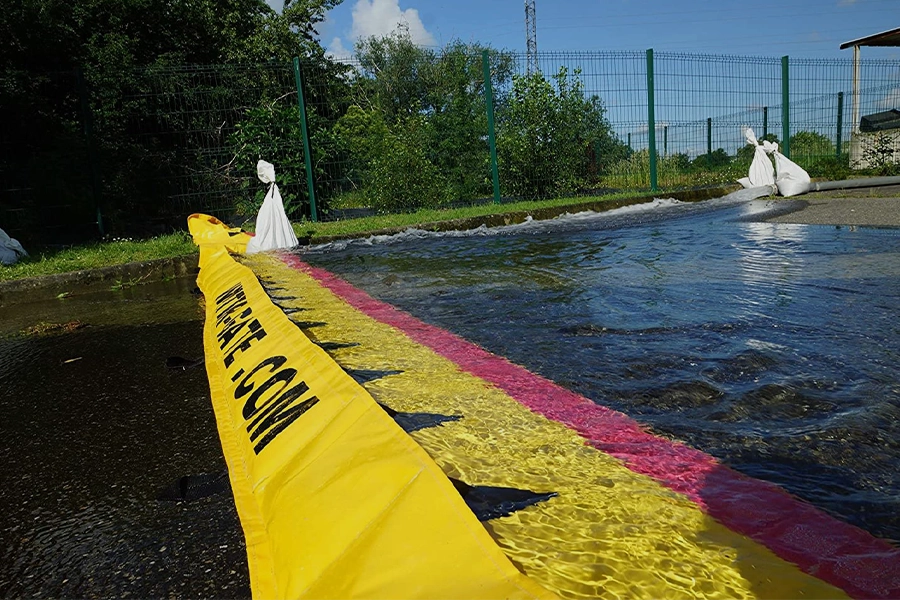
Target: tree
pixel 131 55
pixel 551 137
pixel 390 164
pixel 423 113
pixel 455 104
pixel 809 144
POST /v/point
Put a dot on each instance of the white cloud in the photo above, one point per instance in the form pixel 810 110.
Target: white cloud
pixel 337 52
pixel 382 17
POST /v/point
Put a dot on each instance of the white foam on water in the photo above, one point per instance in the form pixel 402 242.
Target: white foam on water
pixel 483 231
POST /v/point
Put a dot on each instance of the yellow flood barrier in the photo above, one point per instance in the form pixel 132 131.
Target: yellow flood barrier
pixel 336 501
pixel 610 533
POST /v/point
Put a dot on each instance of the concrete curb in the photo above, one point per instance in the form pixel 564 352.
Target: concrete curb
pixel 88 280
pixel 49 286
pixel 513 218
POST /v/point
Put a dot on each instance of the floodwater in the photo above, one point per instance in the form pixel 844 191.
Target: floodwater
pixel 775 348
pixel 95 426
pixel 772 347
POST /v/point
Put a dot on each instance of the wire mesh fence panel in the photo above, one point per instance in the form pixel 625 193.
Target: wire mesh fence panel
pixel 703 106
pixel 45 183
pixel 186 139
pixel 406 128
pixel 400 127
pixel 566 128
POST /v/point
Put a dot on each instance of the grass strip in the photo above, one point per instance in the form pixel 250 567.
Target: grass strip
pixel 52 261
pixel 97 255
pixel 351 227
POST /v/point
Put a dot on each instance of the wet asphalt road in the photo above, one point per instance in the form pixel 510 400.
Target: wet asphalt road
pixel 95 426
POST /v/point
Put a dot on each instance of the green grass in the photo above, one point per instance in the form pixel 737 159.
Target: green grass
pixel 117 252
pixel 351 227
pixel 99 254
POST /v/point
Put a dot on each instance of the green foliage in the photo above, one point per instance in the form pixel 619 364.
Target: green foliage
pixel 52 260
pixel 134 55
pixel 631 172
pixel 717 158
pixel 673 171
pixel 830 168
pixel 271 133
pixel 391 166
pixel 401 178
pixel 878 152
pixel 396 74
pixel 551 139
pixel 679 162
pixel 806 145
pixel 439 96
pixel 457 116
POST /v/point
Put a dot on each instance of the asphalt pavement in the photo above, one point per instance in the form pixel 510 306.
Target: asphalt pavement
pixel 863 207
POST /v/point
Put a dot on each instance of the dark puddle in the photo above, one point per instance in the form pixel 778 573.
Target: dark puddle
pixel 95 425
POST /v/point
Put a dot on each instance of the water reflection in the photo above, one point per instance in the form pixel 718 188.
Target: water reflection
pixel 95 425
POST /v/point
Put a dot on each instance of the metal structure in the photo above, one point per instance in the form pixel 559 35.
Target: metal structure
pixel 193 134
pixel 890 38
pixel 531 37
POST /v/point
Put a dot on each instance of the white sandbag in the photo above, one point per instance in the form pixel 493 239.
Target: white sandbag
pixel 10 249
pixel 273 229
pixel 761 172
pixel 791 179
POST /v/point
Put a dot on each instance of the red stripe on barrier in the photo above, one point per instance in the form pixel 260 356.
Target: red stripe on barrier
pixel 843 555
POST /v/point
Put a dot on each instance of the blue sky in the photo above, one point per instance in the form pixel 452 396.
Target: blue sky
pixel 799 28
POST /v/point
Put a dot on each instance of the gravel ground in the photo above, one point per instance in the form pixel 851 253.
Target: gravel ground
pixel 865 207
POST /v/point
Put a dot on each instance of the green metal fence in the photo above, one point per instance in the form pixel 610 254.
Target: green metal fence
pixel 402 127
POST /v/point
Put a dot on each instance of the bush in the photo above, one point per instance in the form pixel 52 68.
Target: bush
pixel 270 132
pixel 551 139
pixel 391 168
pixel 830 168
pixel 878 152
pixel 402 179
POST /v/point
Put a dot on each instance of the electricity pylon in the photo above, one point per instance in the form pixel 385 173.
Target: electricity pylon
pixel 531 38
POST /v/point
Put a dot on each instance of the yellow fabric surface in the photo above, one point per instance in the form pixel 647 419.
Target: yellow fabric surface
pixel 336 501
pixel 610 533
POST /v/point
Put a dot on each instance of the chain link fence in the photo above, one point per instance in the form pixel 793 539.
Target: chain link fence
pixel 400 127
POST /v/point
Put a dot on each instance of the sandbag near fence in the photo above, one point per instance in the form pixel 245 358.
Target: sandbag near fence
pixel 273 229
pixel 790 178
pixel 10 249
pixel 761 171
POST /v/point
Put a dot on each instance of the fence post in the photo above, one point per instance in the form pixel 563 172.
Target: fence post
pixel 87 118
pixel 840 123
pixel 709 142
pixel 651 121
pixel 765 122
pixel 785 108
pixel 665 140
pixel 304 132
pixel 492 139
pixel 629 141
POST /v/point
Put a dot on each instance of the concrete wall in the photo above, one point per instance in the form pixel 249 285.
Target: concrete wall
pixel 861 145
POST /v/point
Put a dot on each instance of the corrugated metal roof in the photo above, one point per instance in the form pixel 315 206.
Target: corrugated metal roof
pixel 885 38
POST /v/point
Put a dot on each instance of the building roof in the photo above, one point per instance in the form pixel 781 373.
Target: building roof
pixel 885 38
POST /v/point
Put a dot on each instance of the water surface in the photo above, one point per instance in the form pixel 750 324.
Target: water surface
pixel 95 426
pixel 772 347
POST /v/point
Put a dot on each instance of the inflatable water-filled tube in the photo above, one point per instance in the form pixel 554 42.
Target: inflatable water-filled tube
pixel 372 455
